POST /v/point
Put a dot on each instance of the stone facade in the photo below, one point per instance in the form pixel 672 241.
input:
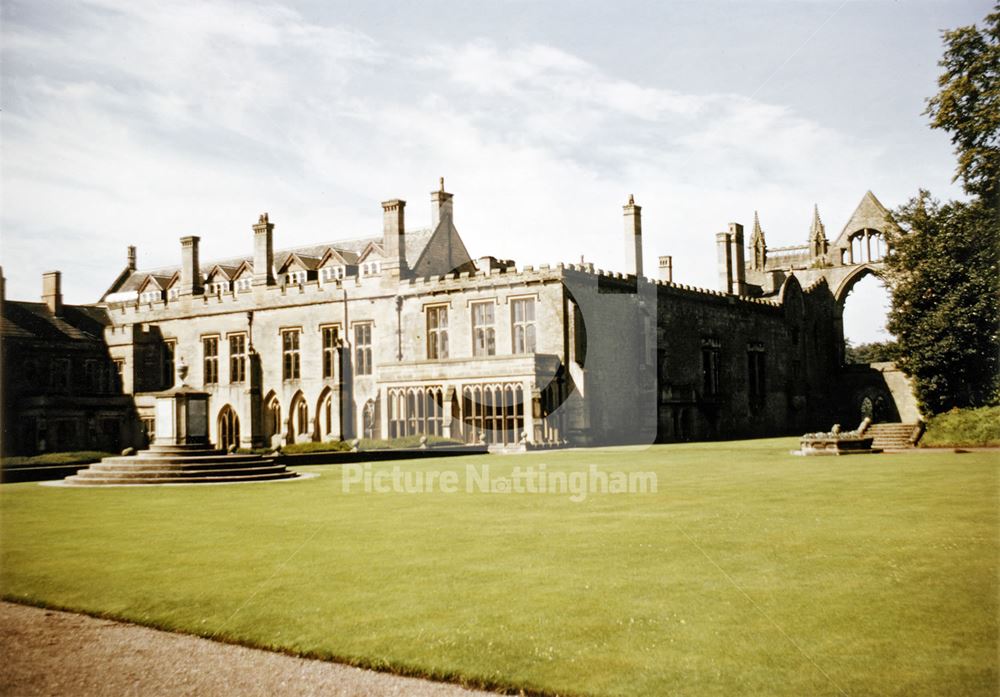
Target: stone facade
pixel 406 334
pixel 59 388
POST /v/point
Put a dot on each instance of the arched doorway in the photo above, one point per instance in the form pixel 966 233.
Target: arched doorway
pixel 298 419
pixel 229 428
pixel 327 418
pixel 272 417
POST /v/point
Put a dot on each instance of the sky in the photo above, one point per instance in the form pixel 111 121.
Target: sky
pixel 128 122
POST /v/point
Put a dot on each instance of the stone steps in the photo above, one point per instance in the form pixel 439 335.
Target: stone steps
pixel 99 470
pixel 77 480
pixel 202 461
pixel 180 465
pixel 893 436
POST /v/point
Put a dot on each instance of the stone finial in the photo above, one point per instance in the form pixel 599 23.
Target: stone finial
pixel 182 369
pixel 631 200
pixel 817 229
pixel 130 257
pixel 817 235
pixel 442 184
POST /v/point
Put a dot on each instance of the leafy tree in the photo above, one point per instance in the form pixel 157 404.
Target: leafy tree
pixel 943 272
pixel 944 268
pixel 968 104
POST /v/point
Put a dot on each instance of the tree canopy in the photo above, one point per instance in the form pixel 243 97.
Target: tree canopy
pixel 968 104
pixel 944 267
pixel 943 272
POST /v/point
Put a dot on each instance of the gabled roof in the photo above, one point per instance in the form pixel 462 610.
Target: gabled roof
pixel 871 214
pixel 309 263
pixel 444 252
pixel 160 282
pixel 227 272
pixel 244 267
pixel 34 321
pixel 335 258
pixel 349 250
pixel 371 249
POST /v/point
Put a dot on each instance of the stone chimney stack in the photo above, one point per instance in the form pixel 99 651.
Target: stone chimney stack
pixel 394 237
pixel 131 258
pixel 441 205
pixel 633 237
pixel 667 269
pixel 738 259
pixel 190 267
pixel 263 252
pixel 723 246
pixel 52 292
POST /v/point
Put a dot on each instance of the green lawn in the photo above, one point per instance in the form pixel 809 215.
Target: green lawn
pixel 748 572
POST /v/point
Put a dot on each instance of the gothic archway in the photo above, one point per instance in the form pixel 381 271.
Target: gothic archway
pixel 272 417
pixel 857 274
pixel 229 428
pixel 298 418
pixel 327 418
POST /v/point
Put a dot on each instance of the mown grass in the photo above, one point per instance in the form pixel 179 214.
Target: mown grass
pixel 964 427
pixel 749 571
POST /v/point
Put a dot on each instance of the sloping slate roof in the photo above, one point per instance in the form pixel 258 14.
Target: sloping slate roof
pixel 416 240
pixel 21 320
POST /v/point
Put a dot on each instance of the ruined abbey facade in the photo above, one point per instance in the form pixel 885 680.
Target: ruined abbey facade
pixel 405 333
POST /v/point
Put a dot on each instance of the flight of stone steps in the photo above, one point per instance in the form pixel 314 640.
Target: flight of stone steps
pixel 894 436
pixel 180 464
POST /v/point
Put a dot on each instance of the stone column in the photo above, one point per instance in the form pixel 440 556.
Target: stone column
pixel 446 413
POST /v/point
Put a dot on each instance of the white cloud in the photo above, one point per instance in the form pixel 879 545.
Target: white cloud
pixel 139 123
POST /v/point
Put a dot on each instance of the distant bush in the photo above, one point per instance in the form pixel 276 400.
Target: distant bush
pixel 875 352
pixel 405 443
pixel 79 457
pixel 331 446
pixel 964 427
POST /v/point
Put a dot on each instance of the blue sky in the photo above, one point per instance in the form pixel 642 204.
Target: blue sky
pixel 139 123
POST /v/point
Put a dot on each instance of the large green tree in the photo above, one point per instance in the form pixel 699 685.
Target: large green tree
pixel 944 269
pixel 968 104
pixel 943 274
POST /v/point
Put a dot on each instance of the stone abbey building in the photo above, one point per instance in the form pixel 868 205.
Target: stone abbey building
pixel 406 333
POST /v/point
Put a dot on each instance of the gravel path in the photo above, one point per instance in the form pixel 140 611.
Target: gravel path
pixel 43 652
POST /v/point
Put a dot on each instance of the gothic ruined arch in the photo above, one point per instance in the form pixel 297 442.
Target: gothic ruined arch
pixel 856 274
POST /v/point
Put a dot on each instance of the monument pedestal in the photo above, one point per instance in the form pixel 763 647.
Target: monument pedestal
pixel 182 417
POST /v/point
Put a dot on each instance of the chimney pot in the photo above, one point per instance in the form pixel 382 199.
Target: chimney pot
pixel 441 204
pixel 739 277
pixel 263 252
pixel 723 246
pixel 52 292
pixel 667 269
pixel 190 268
pixel 633 237
pixel 394 237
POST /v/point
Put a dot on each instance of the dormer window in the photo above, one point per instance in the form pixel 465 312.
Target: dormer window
pixel 296 278
pixel 329 273
pixel 174 293
pixel 370 268
pixel 218 288
pixel 244 284
pixel 151 296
